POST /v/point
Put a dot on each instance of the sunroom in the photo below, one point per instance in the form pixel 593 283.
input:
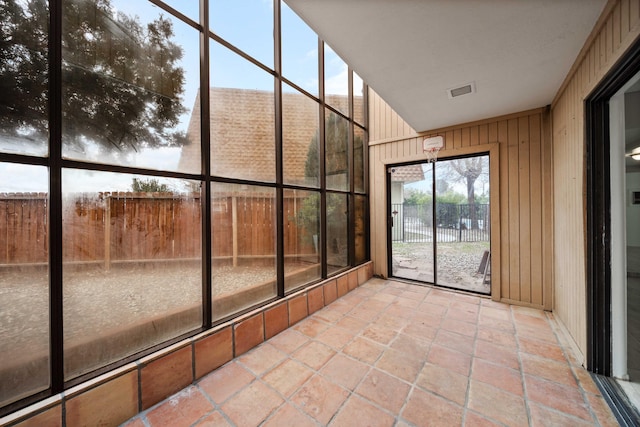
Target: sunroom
pixel 180 183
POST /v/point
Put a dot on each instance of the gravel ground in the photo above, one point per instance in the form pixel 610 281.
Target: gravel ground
pixel 96 300
pixel 458 263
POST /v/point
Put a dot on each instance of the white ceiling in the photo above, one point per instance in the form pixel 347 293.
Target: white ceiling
pixel 517 52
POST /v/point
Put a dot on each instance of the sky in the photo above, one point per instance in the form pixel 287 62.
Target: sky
pixel 442 171
pixel 247 24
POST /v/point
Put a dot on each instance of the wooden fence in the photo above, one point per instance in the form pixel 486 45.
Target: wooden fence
pixel 116 227
pixel 454 222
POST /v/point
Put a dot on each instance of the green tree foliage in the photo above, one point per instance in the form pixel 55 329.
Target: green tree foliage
pixel 451 197
pixel 24 69
pixel 468 170
pixel 413 196
pixel 419 197
pixel 121 80
pixel 336 153
pixel 150 185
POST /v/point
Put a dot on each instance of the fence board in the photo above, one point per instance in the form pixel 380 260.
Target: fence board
pixel 113 227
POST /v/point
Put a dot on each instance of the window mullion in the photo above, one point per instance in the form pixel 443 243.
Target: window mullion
pixel 55 197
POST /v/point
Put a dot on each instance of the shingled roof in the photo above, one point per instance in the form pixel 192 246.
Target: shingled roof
pixel 243 134
pixel 409 173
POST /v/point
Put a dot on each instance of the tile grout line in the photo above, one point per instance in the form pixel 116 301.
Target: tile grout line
pixel 371 366
pixel 318 372
pixel 398 331
pixel 521 366
pixel 414 385
pixel 465 408
pixel 581 389
pixel 290 357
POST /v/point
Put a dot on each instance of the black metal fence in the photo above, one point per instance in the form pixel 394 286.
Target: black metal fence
pixel 454 223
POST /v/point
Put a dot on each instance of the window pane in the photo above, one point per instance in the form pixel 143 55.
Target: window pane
pixel 300 139
pixel 299 51
pixel 336 142
pixel 462 219
pixel 336 81
pixel 358 159
pixel 360 229
pixel 243 224
pixel 242 118
pixel 246 24
pixel 24 282
pixel 130 78
pixel 24 80
pixel 191 8
pixel 358 99
pixel 337 234
pixel 132 265
pixel 413 228
pixel 301 234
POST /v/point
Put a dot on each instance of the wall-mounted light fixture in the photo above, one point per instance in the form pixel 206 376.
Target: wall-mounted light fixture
pixel 635 154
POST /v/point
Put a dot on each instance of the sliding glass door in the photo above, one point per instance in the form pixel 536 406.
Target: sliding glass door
pixel 443 240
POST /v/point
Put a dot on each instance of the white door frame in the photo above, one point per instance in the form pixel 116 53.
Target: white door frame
pixel 617 193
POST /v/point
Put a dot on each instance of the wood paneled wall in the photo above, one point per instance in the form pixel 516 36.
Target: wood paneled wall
pixel 384 123
pixel 617 28
pixel 521 185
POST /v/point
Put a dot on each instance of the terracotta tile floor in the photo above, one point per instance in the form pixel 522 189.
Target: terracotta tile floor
pixel 391 353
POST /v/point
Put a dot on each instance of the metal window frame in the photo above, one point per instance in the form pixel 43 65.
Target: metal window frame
pixel 56 163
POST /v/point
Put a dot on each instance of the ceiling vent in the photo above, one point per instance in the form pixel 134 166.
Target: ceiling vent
pixel 461 90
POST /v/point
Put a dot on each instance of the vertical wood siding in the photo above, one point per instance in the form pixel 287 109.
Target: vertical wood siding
pixel 523 248
pixel 617 28
pixel 384 123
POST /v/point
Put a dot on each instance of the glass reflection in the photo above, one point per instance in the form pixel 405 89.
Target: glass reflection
pixel 336 143
pixel 359 229
pixel 24 282
pixel 246 24
pixel 336 81
pixel 242 118
pixel 243 226
pixel 301 237
pixel 132 265
pixel 358 159
pixel 300 138
pixel 190 8
pixel 24 34
pixel 337 232
pixel 299 51
pixel 130 77
pixel 358 99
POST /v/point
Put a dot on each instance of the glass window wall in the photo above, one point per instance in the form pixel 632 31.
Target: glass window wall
pixel 359 174
pixel 360 230
pixel 301 237
pixel 130 78
pixel 336 81
pixel 358 99
pixel 243 225
pixel 24 67
pixel 300 139
pixel 337 232
pixel 102 204
pixel 242 118
pixel 299 51
pixel 336 137
pixel 246 24
pixel 132 265
pixel 24 282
